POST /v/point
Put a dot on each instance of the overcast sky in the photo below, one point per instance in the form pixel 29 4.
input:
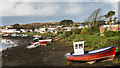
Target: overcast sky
pixel 28 11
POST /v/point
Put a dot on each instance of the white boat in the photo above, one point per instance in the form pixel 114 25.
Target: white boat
pixel 32 46
pixel 48 40
pixel 24 35
pixel 37 36
pixel 14 35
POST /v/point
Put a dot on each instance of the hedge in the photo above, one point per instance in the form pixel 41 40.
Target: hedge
pixel 111 33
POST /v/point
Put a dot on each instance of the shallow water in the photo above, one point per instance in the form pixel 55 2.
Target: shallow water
pixel 4 45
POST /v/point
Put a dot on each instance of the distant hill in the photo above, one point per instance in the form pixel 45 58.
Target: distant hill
pixel 49 23
pixel 38 25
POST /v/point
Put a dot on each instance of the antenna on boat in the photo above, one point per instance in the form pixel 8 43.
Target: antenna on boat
pixel 78 47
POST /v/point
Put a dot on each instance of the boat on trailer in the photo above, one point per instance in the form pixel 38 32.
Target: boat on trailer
pixel 93 55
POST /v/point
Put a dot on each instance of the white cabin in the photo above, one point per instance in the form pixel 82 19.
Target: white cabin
pixel 78 48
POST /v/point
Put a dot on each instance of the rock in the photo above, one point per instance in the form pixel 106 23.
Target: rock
pixel 53 48
pixel 5 55
pixel 41 53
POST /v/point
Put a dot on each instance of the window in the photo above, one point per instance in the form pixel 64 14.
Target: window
pixel 76 46
pixel 80 45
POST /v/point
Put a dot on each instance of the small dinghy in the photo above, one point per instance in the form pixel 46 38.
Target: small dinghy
pixel 24 35
pixel 37 36
pixel 80 55
pixel 48 40
pixel 14 35
pixel 32 46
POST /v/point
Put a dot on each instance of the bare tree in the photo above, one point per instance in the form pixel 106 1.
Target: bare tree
pixel 94 17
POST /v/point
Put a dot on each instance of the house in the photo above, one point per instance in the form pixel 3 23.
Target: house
pixel 82 26
pixel 42 30
pixel 8 30
pixel 69 28
pixel 114 27
pixel 23 30
pixel 36 30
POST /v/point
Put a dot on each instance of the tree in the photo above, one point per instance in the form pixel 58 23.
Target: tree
pixel 94 18
pixel 109 15
pixel 66 22
pixel 115 19
pixel 46 29
pixel 16 25
pixel 77 31
pixel 67 33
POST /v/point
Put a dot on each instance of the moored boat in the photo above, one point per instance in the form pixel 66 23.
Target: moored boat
pixel 48 40
pixel 24 35
pixel 37 36
pixel 42 43
pixel 14 35
pixel 80 55
pixel 36 41
pixel 32 46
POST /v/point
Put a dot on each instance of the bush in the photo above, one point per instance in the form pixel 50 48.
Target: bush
pixel 111 33
pixel 59 32
pixel 60 36
pixel 93 31
pixel 67 34
pixel 71 37
pixel 77 31
pixel 83 31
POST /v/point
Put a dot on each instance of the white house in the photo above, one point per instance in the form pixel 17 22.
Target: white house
pixel 69 28
pixel 51 29
pixel 36 30
pixel 81 26
pixel 59 26
pixel 42 30
pixel 23 30
pixel 8 30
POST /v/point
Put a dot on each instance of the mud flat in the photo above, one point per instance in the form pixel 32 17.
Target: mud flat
pixel 51 55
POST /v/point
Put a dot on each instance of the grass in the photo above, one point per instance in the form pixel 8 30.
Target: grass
pixel 93 41
pixel 116 61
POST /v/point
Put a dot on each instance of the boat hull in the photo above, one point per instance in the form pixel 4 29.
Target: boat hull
pixel 109 53
pixel 42 43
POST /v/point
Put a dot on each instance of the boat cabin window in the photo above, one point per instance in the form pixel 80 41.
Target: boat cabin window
pixel 80 46
pixel 76 46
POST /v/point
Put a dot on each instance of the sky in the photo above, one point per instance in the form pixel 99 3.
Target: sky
pixel 42 11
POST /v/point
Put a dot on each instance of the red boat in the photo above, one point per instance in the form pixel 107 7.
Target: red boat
pixel 36 41
pixel 78 55
pixel 42 43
